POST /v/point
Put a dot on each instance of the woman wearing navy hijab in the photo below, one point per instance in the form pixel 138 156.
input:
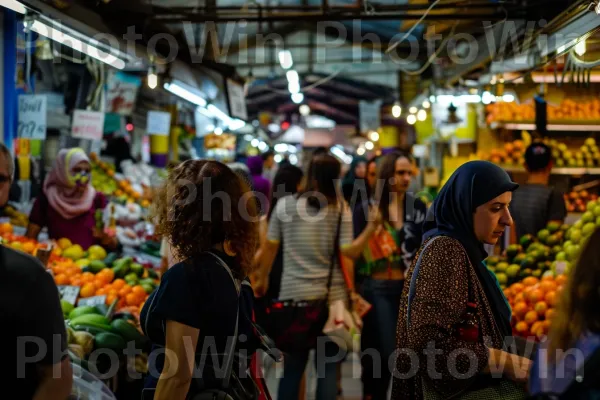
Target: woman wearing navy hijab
pixel 453 302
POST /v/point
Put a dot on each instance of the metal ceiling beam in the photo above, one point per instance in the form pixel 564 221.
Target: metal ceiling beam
pixel 260 37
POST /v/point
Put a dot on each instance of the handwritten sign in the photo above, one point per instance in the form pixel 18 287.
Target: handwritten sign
pixel 87 125
pixel 158 123
pixel 69 293
pixel 92 301
pixel 237 100
pixel 32 116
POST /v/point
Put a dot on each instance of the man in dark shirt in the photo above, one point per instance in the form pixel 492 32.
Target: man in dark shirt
pixel 535 204
pixel 34 360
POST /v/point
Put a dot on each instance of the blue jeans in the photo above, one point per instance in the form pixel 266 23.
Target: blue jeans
pixel 328 355
pixel 379 334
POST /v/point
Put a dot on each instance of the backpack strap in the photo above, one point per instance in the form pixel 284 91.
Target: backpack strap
pixel 413 281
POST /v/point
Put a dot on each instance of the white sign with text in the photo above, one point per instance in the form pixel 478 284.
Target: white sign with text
pixel 158 123
pixel 88 125
pixel 32 116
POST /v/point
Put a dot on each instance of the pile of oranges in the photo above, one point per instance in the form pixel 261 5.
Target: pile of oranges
pixel 66 272
pixel 568 110
pixel 533 303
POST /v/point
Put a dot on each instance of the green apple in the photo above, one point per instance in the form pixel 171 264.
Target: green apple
pixel 588 216
pixel 588 229
pixel 543 235
pixel 502 278
pixel 501 267
pixel 572 252
pixel 578 224
pixel 562 256
pixel 513 271
pixel 576 236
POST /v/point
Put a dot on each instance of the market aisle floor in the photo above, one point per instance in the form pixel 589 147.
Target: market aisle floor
pixel 351 385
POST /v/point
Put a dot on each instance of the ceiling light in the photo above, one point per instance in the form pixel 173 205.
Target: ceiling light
pixel 413 110
pixel 281 147
pixel 411 119
pixel 432 99
pixel 396 111
pixel 292 76
pixel 426 104
pixel 487 98
pixel 304 109
pixel 293 159
pixel 152 78
pixel 369 145
pixel 374 136
pixel 294 87
pixel 508 98
pixel 561 49
pixel 218 113
pixel 14 5
pixel 218 131
pixel 255 142
pixel 360 151
pixel 297 98
pixel 285 59
pixel 422 115
pixel 278 158
pixel 182 91
pixel 76 44
pixel 580 48
pixel 210 128
pixel 248 137
pixel 236 124
pixel 262 146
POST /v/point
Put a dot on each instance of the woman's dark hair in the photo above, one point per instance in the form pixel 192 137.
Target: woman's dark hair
pixel 202 204
pixel 387 171
pixel 289 176
pixel 322 177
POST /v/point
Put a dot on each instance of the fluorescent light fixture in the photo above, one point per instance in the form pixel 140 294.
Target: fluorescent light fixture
pixel 210 128
pixel 274 128
pixel 297 98
pixel 426 104
pixel 360 151
pixel 304 109
pixel 293 159
pixel 396 110
pixel 255 142
pixel 14 5
pixel 218 131
pixel 281 147
pixel 580 47
pixel 465 98
pixel 411 119
pixel 292 149
pixel 76 44
pixel 218 113
pixel 292 76
pixel 561 49
pixel 413 110
pixel 508 98
pixel 278 158
pixel 181 90
pixel 374 136
pixel 294 87
pixel 285 59
pixel 236 124
pixel 248 137
pixel 432 99
pixel 369 145
pixel 422 115
pixel 339 153
pixel 471 98
pixel 487 98
pixel 262 146
pixel 152 79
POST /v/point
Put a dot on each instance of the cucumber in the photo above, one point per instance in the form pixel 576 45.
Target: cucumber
pixel 96 266
pixel 127 331
pixel 90 319
pixel 82 310
pixel 110 341
pixel 110 259
pixel 94 329
pixel 125 315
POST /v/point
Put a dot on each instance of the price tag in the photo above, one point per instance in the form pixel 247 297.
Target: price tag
pixel 237 100
pixel 92 301
pixel 87 125
pixel 32 116
pixel 561 267
pixel 69 293
pixel 158 123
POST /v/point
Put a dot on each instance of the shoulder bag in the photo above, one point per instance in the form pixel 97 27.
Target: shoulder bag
pixel 484 387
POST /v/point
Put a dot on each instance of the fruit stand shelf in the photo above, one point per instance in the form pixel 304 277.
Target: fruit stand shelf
pixel 559 171
pixel 591 126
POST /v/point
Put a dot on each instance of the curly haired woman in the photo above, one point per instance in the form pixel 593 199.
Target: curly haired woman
pixel 209 217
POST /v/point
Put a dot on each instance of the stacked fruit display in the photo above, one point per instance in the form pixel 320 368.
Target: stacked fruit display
pixel 511 154
pixel 568 111
pixel 533 303
pixel 16 217
pixel 576 201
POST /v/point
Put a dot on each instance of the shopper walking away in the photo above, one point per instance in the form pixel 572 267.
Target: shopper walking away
pixel 68 203
pixel 453 306
pixel 307 225
pixel 384 260
pixel 269 165
pixel 536 204
pixel 34 362
pixel 575 330
pixel 354 182
pixel 196 309
pixel 261 184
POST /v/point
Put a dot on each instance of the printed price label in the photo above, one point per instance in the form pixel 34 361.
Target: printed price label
pixel 92 301
pixel 69 293
pixel 87 125
pixel 158 123
pixel 32 116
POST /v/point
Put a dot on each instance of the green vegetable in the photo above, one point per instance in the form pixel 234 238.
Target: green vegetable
pixel 94 329
pixel 148 288
pixel 82 310
pixel 152 273
pixel 91 319
pixel 127 331
pixel 110 259
pixel 132 277
pixel 110 341
pixel 137 269
pixel 96 266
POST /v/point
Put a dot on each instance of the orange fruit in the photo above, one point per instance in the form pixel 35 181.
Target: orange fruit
pixel 535 296
pixel 139 291
pixel 132 299
pixel 59 269
pixel 520 309
pixel 28 247
pixel 520 297
pixel 72 271
pixel 551 298
pixel 6 228
pixel 522 327
pixel 61 279
pixel 530 281
pixel 118 283
pixel 548 278
pixel 76 281
pixel 548 286
pixel 549 314
pixel 109 274
pixel 540 308
pixel 125 290
pixel 537 326
pixel 530 317
pixel 517 288
pixel 113 292
pixel 87 277
pixel 101 291
pixel 88 290
pixel 560 280
pixel 99 281
pixel 110 298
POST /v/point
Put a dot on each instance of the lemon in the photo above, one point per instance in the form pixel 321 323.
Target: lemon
pixel 74 252
pixel 97 252
pixel 82 263
pixel 64 243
